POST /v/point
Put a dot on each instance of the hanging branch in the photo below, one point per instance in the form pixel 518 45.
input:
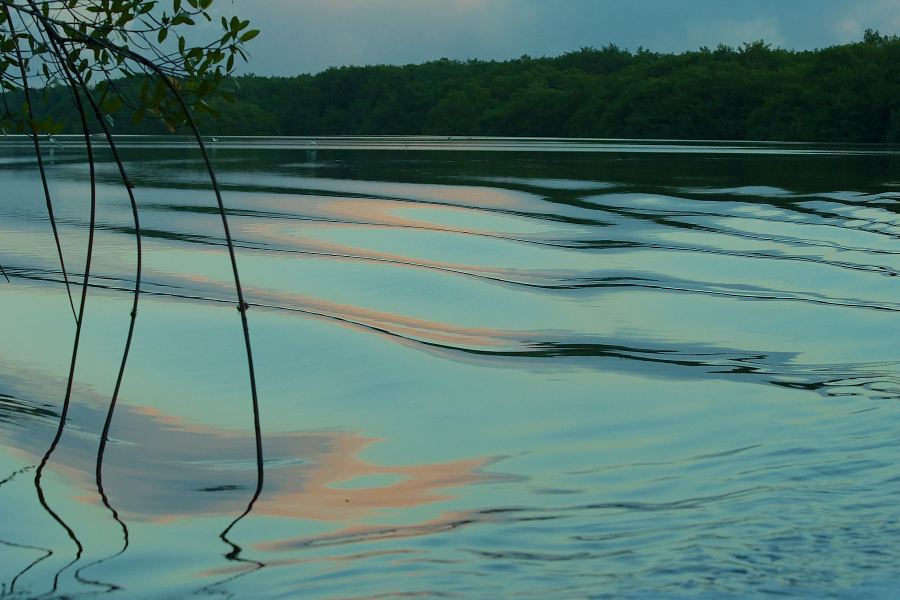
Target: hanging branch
pixel 79 87
pixel 74 40
pixel 184 115
pixel 78 318
pixel 29 112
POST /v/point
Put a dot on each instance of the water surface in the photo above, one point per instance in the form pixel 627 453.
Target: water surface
pixel 487 368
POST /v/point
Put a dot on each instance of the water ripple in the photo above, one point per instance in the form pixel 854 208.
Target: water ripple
pixel 489 369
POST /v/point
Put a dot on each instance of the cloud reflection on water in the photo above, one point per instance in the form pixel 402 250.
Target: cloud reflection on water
pixel 158 468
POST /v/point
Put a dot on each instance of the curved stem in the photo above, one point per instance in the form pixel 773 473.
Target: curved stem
pixel 78 321
pixel 242 308
pixel 37 152
pixel 242 305
pixel 49 25
pixel 53 28
pixel 76 83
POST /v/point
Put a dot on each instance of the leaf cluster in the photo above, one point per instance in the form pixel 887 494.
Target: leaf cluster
pixel 85 46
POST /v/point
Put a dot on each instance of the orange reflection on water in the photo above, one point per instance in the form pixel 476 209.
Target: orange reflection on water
pixel 313 496
pixel 291 243
pixel 158 468
pixel 397 325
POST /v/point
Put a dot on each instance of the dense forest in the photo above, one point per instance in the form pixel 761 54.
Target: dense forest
pixel 847 93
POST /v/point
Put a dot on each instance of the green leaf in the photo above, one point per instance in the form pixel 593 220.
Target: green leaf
pixel 114 104
pixel 159 93
pixel 162 35
pixel 250 35
pixel 182 17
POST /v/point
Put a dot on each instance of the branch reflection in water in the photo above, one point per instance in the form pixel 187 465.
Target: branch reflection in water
pixel 171 470
pixel 688 358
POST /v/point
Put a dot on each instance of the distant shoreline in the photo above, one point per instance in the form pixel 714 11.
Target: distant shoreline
pixel 844 94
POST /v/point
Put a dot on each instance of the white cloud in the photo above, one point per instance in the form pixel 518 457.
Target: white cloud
pixel 853 19
pixel 849 30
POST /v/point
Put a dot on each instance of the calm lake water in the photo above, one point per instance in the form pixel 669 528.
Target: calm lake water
pixel 487 369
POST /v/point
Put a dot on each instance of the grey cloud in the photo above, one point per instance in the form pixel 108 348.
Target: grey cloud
pixel 312 35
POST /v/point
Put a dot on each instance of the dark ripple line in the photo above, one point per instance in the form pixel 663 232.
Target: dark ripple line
pixel 540 349
pixel 880 269
pixel 714 362
pixel 674 224
pixel 560 218
pixel 575 245
pixel 518 514
pixel 565 244
pixel 847 303
pixel 586 283
pixel 386 533
pixel 313 192
pixel 275 216
pixel 544 557
pixel 12 409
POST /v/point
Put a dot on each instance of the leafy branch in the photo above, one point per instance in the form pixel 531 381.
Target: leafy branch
pixel 82 46
pixel 40 42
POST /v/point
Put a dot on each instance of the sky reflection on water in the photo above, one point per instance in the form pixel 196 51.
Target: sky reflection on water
pixel 488 369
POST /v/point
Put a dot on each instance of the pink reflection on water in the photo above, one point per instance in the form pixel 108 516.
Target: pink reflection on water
pixel 158 468
pixel 275 236
pixel 407 328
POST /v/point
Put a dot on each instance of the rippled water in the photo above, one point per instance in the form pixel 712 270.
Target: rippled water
pixel 487 369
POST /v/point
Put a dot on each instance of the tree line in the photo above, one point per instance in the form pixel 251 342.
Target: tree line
pixel 845 93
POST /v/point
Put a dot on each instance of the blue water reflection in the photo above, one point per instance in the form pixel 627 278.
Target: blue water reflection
pixel 488 369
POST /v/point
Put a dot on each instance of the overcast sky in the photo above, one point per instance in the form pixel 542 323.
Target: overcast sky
pixel 308 36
